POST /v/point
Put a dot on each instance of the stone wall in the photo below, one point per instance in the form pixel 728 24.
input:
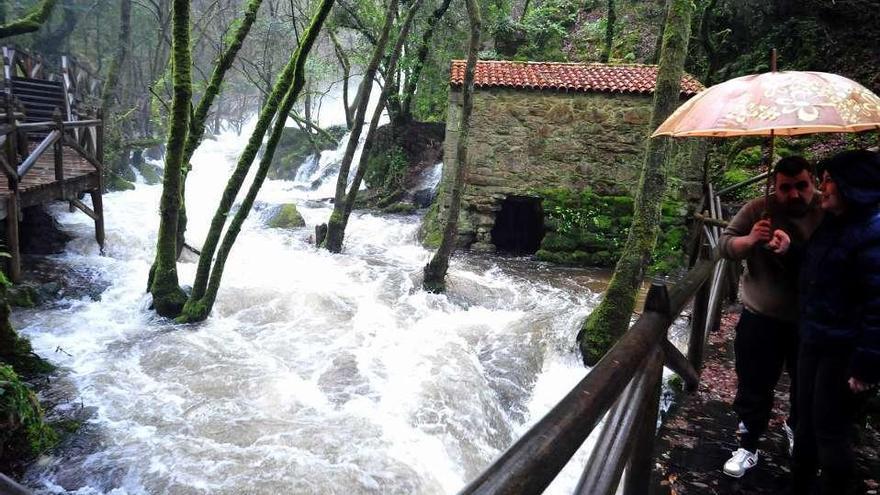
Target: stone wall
pixel 522 141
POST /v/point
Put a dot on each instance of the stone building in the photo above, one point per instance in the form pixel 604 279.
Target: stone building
pixel 540 126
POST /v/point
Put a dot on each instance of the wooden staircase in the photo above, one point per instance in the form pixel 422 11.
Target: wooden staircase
pixel 52 144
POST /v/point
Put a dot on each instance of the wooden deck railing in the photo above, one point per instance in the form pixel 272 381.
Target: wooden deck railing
pixel 625 385
pixel 52 116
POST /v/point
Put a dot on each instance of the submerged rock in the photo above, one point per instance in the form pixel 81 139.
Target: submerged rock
pixel 286 217
pixel 40 232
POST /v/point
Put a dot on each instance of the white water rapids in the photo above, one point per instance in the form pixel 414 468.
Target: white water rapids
pixel 316 373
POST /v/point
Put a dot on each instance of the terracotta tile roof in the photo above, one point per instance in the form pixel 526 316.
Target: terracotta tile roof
pixel 632 78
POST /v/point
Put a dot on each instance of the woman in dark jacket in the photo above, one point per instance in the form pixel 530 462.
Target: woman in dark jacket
pixel 840 322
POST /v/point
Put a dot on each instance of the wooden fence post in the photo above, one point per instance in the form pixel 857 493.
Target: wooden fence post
pixel 59 146
pixel 641 463
pixel 12 236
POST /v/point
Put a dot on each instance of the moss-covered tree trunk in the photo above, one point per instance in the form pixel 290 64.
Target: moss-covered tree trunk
pixel 611 318
pixel 29 22
pixel 346 75
pixel 335 227
pixel 207 283
pixel 611 18
pixel 200 114
pixel 363 164
pixel 435 270
pixel 412 81
pixel 109 93
pixel 168 298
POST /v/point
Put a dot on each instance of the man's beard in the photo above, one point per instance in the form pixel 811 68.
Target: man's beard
pixel 797 208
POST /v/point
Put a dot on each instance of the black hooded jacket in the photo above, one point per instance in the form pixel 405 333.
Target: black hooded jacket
pixel 840 275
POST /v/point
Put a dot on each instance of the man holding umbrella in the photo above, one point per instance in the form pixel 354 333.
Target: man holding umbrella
pixel 785 103
pixel 766 335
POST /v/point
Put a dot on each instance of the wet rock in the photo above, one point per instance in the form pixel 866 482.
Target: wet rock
pixel 423 197
pixel 285 216
pixel 41 233
pixel 401 208
pixel 48 282
pixel 343 380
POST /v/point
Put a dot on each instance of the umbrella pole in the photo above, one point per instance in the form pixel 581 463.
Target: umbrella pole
pixel 771 147
pixel 771 151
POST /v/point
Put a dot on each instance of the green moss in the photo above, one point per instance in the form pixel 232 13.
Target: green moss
pixel 431 230
pixel 25 433
pixel 676 383
pixel 193 311
pixel 114 182
pixel 151 173
pixel 22 296
pixel 16 350
pixel 588 229
pixel 287 217
pixel 404 208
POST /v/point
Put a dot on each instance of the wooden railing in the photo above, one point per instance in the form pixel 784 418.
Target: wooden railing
pixel 82 87
pixel 28 120
pixel 625 385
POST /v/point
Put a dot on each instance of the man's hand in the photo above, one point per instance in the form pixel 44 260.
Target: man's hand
pixel 779 242
pixel 760 233
pixel 858 386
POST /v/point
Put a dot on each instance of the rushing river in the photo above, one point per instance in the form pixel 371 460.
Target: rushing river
pixel 315 373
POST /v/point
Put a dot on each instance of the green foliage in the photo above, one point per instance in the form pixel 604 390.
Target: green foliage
pixel 24 433
pixel 545 30
pixel 386 171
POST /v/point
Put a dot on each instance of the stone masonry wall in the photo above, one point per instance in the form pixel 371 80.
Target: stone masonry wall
pixel 525 140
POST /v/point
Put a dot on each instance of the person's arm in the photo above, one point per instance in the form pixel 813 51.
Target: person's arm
pixel 745 232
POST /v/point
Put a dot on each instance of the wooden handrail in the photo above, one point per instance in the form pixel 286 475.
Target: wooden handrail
pixel 45 126
pixel 38 151
pixel 531 463
pixel 744 183
pixel 616 440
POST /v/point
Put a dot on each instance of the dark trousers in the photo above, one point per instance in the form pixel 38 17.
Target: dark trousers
pixel 824 433
pixel 763 346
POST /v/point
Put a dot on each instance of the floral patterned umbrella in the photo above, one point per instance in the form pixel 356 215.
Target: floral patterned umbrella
pixel 776 103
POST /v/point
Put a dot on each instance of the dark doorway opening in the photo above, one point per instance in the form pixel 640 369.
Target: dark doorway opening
pixel 519 226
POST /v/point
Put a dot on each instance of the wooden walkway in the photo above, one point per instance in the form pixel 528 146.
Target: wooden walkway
pixel 39 185
pixel 699 435
pixel 51 146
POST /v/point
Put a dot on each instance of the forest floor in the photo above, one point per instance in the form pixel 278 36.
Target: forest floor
pixel 700 433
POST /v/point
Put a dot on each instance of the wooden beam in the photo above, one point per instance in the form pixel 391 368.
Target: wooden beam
pixel 711 221
pixel 9 487
pixel 675 360
pixel 83 208
pixel 98 203
pixel 38 151
pixel 612 450
pixel 12 240
pixel 641 463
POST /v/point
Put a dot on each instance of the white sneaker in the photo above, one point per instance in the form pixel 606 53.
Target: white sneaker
pixel 741 428
pixel 741 461
pixel 789 433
